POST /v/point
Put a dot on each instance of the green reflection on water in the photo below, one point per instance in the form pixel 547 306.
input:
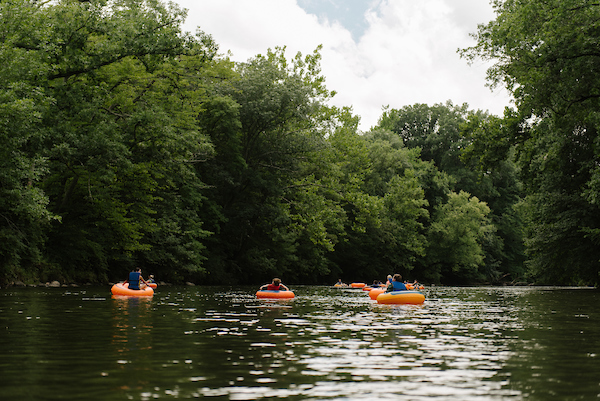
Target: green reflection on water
pixel 191 342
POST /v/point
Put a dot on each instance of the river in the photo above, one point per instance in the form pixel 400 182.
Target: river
pixel 482 343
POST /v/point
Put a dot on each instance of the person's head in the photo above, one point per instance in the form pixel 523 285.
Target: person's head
pixel 397 277
pixel 276 281
pixel 137 269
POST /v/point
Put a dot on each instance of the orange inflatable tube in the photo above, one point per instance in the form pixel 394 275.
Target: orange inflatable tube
pixel 414 287
pixel 401 297
pixel 274 294
pixel 357 285
pixel 375 292
pixel 123 289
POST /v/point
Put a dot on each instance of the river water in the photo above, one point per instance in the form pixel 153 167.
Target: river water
pixel 483 343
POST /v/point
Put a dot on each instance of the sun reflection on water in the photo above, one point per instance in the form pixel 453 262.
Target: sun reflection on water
pixel 340 344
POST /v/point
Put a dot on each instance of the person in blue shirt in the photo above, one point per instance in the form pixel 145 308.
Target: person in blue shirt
pixel 134 279
pixel 396 284
pixel 340 283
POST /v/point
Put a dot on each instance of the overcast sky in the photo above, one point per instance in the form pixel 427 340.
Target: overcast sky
pixel 375 52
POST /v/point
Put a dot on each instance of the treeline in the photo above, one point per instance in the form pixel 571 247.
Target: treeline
pixel 126 142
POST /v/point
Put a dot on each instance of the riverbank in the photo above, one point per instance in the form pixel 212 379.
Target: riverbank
pixel 57 284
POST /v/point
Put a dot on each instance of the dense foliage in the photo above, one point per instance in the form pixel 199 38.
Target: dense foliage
pixel 126 142
pixel 546 53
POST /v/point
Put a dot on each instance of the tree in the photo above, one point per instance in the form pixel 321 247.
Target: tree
pixel 398 176
pixel 23 206
pixel 24 215
pixel 114 121
pixel 443 134
pixel 434 129
pixel 267 127
pixel 456 237
pixel 545 53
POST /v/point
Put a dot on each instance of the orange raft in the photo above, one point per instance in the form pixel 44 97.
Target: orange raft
pixel 374 293
pixel 357 285
pixel 274 294
pixel 414 287
pixel 401 297
pixel 123 289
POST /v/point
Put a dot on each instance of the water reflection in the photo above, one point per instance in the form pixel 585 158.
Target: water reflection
pixel 461 344
pixel 456 346
pixel 132 324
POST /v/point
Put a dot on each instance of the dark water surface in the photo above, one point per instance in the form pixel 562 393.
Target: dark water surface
pixel 200 342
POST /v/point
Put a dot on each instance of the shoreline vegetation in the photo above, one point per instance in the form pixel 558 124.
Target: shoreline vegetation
pixel 126 142
pixel 57 284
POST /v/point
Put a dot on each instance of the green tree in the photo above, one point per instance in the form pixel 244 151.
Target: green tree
pixel 436 130
pixel 545 53
pixel 350 164
pixel 267 126
pixel 456 237
pixel 400 178
pixel 443 133
pixel 115 122
pixel 24 216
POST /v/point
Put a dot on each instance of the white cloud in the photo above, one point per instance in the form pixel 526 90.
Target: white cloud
pixel 406 55
pixel 248 28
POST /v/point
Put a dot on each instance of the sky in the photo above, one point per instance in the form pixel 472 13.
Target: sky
pixel 375 53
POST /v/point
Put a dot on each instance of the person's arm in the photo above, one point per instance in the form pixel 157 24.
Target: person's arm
pixel 284 287
pixel 145 282
pixel 264 287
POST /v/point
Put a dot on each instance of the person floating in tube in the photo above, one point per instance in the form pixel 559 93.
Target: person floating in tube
pixel 274 286
pixel 134 279
pixel 396 284
pixel 340 283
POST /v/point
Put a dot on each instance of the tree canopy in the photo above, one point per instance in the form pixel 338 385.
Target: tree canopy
pixel 546 54
pixel 127 142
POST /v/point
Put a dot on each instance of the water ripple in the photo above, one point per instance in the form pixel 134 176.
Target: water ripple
pixel 461 344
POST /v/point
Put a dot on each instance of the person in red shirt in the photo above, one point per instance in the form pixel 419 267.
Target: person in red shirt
pixel 274 286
